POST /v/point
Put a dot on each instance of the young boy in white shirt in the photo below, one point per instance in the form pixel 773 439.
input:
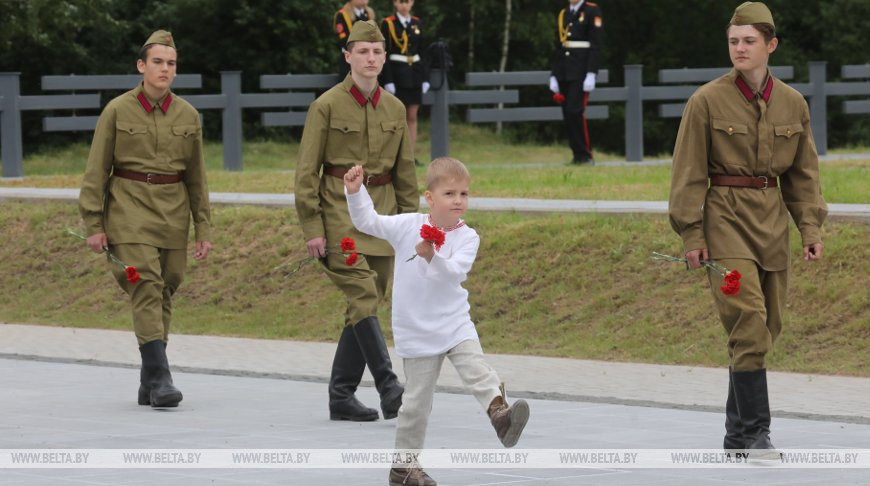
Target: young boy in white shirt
pixel 431 317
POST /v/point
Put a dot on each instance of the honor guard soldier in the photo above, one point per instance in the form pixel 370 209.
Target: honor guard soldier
pixel 356 123
pixel 745 160
pixel 574 68
pixel 145 179
pixel 348 15
pixel 405 74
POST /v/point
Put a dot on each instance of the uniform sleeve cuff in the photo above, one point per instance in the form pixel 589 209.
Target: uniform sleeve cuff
pixel 202 232
pixel 313 228
pixel 694 240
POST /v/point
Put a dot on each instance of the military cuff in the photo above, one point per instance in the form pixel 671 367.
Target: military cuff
pixel 95 229
pixel 202 232
pixel 313 228
pixel 694 240
pixel 811 235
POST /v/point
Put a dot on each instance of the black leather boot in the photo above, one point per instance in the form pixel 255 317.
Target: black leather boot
pixel 347 370
pixel 734 439
pixel 750 390
pixel 371 342
pixel 156 376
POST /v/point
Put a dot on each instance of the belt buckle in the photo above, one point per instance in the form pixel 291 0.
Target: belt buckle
pixel 367 180
pixel 765 181
pixel 148 178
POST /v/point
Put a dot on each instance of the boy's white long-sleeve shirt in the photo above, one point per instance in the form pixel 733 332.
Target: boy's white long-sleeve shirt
pixel 430 306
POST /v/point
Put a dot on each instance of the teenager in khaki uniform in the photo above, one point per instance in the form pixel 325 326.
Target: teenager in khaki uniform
pixel 356 123
pixel 744 160
pixel 343 20
pixel 144 180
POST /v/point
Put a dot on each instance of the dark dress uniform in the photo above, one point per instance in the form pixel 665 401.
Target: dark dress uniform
pixel 144 182
pixel 743 162
pixel 577 52
pixel 345 127
pixel 405 66
pixel 342 24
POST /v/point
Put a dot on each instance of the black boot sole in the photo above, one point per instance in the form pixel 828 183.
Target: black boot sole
pixel 353 418
pixel 166 401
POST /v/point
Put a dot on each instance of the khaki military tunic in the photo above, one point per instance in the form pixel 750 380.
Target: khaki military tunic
pixel 341 131
pixel 724 132
pixel 146 224
pixel 163 137
pixel 727 129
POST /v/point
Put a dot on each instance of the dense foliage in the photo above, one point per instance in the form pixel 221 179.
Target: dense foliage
pixel 39 37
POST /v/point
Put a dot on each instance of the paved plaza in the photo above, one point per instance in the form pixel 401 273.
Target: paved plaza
pixel 74 389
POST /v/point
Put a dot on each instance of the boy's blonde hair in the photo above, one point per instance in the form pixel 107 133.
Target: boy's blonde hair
pixel 444 169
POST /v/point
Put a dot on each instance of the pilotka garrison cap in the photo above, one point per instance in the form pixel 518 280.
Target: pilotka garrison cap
pixel 160 37
pixel 748 13
pixel 365 31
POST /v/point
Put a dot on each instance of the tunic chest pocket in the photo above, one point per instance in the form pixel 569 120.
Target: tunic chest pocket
pixel 391 132
pixel 182 140
pixel 729 142
pixel 133 140
pixel 785 145
pixel 345 140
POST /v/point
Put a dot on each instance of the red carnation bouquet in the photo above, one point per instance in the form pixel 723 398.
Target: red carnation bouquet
pixel 130 270
pixel 432 235
pixel 732 277
pixel 347 247
pixel 558 98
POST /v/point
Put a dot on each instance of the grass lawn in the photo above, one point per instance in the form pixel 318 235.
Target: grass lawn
pixel 567 285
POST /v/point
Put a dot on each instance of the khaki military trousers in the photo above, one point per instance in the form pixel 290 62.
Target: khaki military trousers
pixel 421 375
pixel 364 283
pixel 161 272
pixel 753 317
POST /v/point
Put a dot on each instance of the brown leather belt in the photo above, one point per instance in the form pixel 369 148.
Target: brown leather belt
pixel 149 177
pixel 370 180
pixel 760 182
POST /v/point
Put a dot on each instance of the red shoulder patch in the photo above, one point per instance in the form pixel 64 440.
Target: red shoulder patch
pixel 391 18
pixel 339 27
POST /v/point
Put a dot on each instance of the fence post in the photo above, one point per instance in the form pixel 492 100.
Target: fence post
pixel 11 152
pixel 440 114
pixel 633 113
pixel 819 105
pixel 231 87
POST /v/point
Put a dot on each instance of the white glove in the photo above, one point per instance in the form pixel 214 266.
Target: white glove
pixel 589 82
pixel 391 87
pixel 425 87
pixel 554 85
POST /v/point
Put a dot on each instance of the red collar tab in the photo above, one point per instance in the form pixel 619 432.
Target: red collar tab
pixel 448 229
pixel 143 100
pixel 362 99
pixel 749 94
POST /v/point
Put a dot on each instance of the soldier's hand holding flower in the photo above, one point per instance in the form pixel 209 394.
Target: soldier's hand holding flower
pixel 353 179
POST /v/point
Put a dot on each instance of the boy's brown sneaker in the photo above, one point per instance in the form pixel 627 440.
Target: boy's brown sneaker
pixel 508 422
pixel 410 476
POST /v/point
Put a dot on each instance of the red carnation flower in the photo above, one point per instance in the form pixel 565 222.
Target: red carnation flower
pixel 433 234
pixel 347 244
pixel 132 274
pixel 559 98
pixel 730 277
pixel 731 287
pixel 350 260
